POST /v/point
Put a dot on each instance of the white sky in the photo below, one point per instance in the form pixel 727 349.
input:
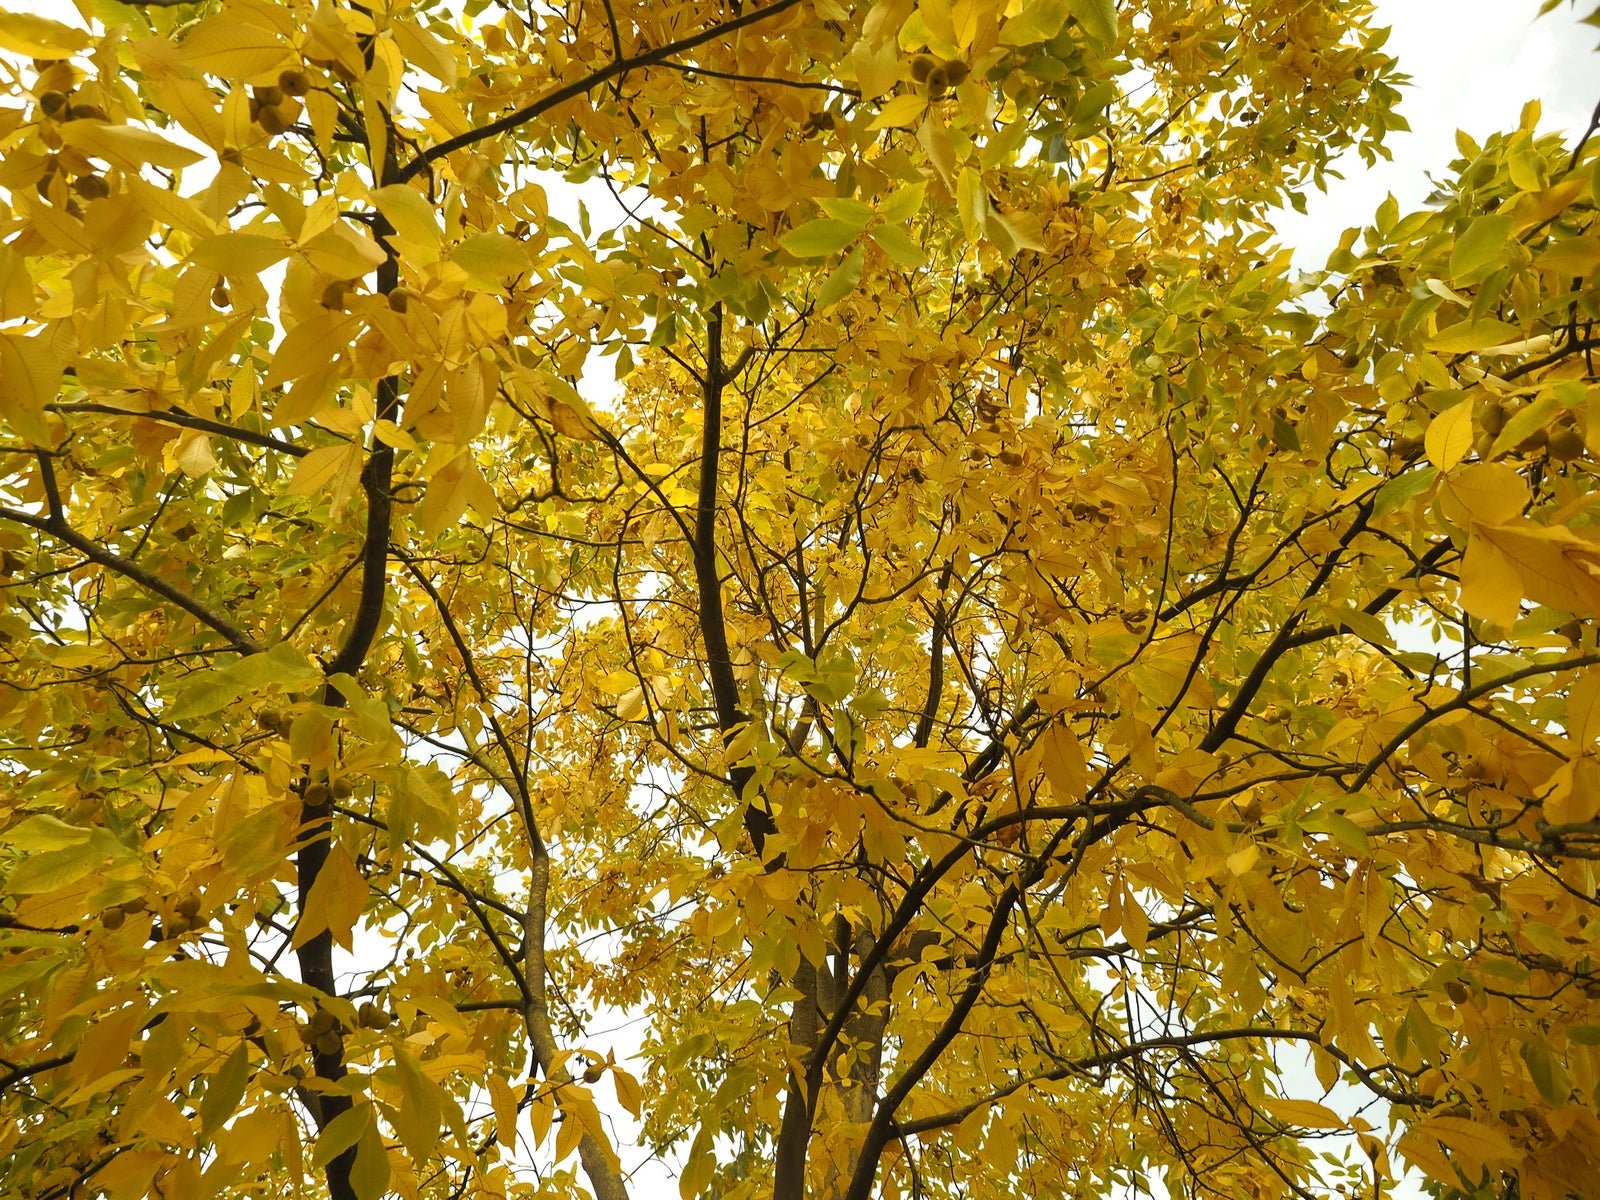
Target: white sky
pixel 1473 64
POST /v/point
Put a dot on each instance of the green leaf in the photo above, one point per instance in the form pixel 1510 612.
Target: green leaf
pixel 1039 22
pixel 1098 17
pixel 1484 242
pixel 1468 336
pixel 847 209
pixel 1284 434
pixel 204 692
pixel 280 668
pixel 491 259
pixel 843 280
pixel 341 1133
pixel 1094 102
pixel 224 1090
pixel 820 238
pixel 972 204
pixel 421 1115
pixel 50 871
pixel 1402 488
pixel 369 1174
pixel 42 832
pixel 904 203
pixel 1547 1074
pixel 897 244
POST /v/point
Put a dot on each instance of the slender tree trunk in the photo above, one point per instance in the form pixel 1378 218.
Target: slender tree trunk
pixel 794 1132
pixel 604 1175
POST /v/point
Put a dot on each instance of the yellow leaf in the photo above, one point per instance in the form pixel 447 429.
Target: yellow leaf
pixel 332 469
pixel 630 705
pixel 1449 435
pixel 343 253
pixel 1482 243
pixel 16 286
pixel 225 1089
pixel 1488 493
pixel 409 212
pixel 1135 922
pixel 391 434
pixel 168 207
pixel 541 1114
pixel 1427 1156
pixel 335 901
pixel 577 1103
pixel 902 110
pixel 1242 859
pixel 229 48
pixel 239 254
pixel 1024 228
pixel 452 489
pixel 1038 22
pixel 504 1101
pixel 193 105
pixel 1063 762
pixel 939 20
pixel 1572 794
pixel 1583 710
pixel 1307 1114
pixel 422 49
pixel 310 346
pixel 491 259
pixel 1490 586
pixel 1537 208
pixel 972 203
pixel 568 1134
pixel 1473 1140
pixel 126 146
pixel 39 37
pixel 1557 568
pixel 629 1094
pixel 1468 336
pixel 105 1044
pixel 29 377
pixel 1445 292
pixel 341 1133
pixel 1575 256
pixel 128 1176
pixel 193 455
pixel 60 230
pixel 560 404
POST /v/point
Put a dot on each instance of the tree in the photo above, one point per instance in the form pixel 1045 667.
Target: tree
pixel 1017 690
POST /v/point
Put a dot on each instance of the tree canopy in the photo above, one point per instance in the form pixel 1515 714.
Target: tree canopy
pixel 798 587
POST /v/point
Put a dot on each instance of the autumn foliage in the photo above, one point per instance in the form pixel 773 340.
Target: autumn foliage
pixel 1012 691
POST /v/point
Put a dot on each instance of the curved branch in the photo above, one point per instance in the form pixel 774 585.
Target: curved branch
pixel 176 416
pixel 56 526
pixel 571 91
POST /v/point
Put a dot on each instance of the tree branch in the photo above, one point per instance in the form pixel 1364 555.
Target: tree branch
pixel 176 416
pixel 571 91
pixel 56 526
